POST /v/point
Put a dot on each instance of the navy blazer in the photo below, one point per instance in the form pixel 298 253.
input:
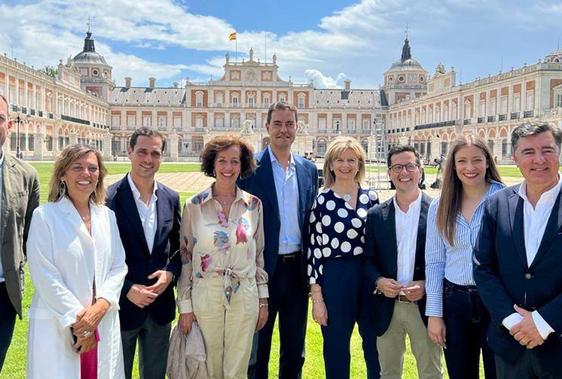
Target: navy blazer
pixel 140 262
pixel 504 278
pixel 381 258
pixel 262 185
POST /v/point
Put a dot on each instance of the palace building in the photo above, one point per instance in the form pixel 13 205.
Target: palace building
pixel 81 103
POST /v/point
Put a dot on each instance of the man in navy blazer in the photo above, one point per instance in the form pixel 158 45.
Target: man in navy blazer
pixel 518 260
pixel 287 185
pixel 395 269
pixel 148 217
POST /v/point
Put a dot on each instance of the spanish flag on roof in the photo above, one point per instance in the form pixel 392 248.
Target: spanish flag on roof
pixel 232 36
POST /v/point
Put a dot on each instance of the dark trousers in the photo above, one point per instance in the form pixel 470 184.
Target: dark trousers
pixel 288 297
pixel 153 349
pixel 527 367
pixel 344 296
pixel 466 322
pixel 7 322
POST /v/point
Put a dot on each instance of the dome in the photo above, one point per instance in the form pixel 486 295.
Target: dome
pixel 89 55
pixel 554 57
pixel 406 63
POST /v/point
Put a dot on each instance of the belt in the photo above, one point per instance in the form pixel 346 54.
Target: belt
pixel 289 258
pixel 403 299
pixel 460 288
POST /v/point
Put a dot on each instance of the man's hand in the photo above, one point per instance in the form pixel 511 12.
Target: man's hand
pixel 263 315
pixel 526 332
pixel 88 319
pixel 389 287
pixel 437 331
pixel 164 280
pixel 141 296
pixel 415 290
pixel 186 322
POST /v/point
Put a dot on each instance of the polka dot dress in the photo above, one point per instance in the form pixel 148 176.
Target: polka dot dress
pixel 336 229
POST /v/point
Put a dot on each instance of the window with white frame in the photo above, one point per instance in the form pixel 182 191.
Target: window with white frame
pixel 219 122
pixel 482 108
pixel 198 99
pixel 116 120
pixel 530 102
pixel 558 97
pixel 516 102
pixel 161 121
pixel 493 107
pixel 235 123
pixel 366 123
pixel 467 110
pixel 300 100
pixel 199 122
pixel 131 121
pixel 235 100
pixel 177 122
pixel 251 101
pixel 503 105
pixel 146 120
pixel 351 124
pixel 322 123
pixel 266 101
pixel 219 99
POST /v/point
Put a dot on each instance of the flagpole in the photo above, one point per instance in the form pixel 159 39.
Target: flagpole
pixel 236 47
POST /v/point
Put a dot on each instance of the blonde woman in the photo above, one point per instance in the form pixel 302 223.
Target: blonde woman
pixel 336 242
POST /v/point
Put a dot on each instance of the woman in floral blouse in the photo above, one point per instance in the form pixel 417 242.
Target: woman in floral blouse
pixel 223 285
pixel 336 243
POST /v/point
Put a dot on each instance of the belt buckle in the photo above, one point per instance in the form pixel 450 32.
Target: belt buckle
pixel 400 297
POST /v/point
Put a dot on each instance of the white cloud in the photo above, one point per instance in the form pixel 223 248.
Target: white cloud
pixel 322 81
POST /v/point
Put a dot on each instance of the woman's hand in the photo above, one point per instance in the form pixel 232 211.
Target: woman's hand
pixel 186 322
pixel 263 315
pixel 436 331
pixel 319 311
pixel 85 344
pixel 88 319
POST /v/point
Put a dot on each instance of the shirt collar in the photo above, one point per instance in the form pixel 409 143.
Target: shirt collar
pixel 548 196
pixel 2 158
pixel 274 158
pixel 136 192
pixel 207 195
pixel 413 205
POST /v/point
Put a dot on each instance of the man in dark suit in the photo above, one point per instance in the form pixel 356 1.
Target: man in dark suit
pixel 148 217
pixel 518 258
pixel 395 270
pixel 287 185
pixel 19 196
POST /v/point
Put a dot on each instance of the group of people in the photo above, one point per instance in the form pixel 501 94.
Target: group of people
pixel 473 272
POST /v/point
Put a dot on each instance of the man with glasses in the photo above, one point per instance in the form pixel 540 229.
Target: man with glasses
pixel 19 194
pixel 287 185
pixel 148 217
pixel 395 270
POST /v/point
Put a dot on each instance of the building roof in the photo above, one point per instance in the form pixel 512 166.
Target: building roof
pixel 324 98
pixel 88 54
pixel 406 62
pixel 134 96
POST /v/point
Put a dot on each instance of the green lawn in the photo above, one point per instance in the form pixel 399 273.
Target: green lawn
pixel 14 366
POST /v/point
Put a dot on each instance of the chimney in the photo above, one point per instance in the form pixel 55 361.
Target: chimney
pixel 128 82
pixel 151 82
pixel 347 84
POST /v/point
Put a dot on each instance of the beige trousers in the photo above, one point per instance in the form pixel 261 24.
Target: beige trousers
pixel 391 345
pixel 227 329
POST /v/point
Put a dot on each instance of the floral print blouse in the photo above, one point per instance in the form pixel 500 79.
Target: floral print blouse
pixel 336 229
pixel 214 246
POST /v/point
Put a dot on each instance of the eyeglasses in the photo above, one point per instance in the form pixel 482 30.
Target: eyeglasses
pixel 410 167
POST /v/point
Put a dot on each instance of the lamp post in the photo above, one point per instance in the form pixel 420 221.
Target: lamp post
pixel 18 122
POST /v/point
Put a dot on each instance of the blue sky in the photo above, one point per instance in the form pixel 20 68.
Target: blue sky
pixel 325 41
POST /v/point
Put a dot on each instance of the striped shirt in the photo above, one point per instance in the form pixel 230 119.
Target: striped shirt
pixel 453 263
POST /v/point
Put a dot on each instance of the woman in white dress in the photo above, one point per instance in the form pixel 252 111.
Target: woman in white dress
pixel 77 265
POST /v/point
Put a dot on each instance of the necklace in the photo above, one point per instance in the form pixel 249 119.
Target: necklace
pixel 346 197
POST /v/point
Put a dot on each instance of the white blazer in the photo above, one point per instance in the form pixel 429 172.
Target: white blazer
pixel 63 258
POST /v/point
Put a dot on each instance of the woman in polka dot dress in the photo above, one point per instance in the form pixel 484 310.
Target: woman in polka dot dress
pixel 336 243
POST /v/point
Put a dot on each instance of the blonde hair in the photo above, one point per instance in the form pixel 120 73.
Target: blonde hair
pixel 67 157
pixel 336 149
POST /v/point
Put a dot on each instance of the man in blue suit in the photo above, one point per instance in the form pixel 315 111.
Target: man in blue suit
pixel 518 260
pixel 395 270
pixel 148 217
pixel 287 185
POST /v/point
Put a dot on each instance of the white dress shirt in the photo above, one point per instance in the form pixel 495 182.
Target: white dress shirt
pixel 406 237
pixel 147 212
pixel 534 224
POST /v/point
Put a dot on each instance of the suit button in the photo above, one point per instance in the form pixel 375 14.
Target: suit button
pixel 528 275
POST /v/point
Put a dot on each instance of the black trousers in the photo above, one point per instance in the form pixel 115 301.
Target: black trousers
pixel 7 322
pixel 288 297
pixel 345 299
pixel 528 367
pixel 466 322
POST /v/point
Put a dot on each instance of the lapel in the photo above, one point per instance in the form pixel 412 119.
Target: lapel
pixel 552 227
pixel 267 181
pixel 389 230
pixel 303 186
pixel 7 174
pixel 515 208
pixel 160 212
pixel 126 201
pixel 420 239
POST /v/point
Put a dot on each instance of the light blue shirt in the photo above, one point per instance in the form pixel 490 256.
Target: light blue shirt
pixel 453 263
pixel 1 186
pixel 287 190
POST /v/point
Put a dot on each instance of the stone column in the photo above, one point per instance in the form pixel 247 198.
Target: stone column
pixel 106 148
pixel 39 143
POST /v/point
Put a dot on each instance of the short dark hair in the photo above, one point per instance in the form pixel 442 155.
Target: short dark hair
pixel 280 106
pixel 402 149
pixel 220 143
pixel 532 129
pixel 146 132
